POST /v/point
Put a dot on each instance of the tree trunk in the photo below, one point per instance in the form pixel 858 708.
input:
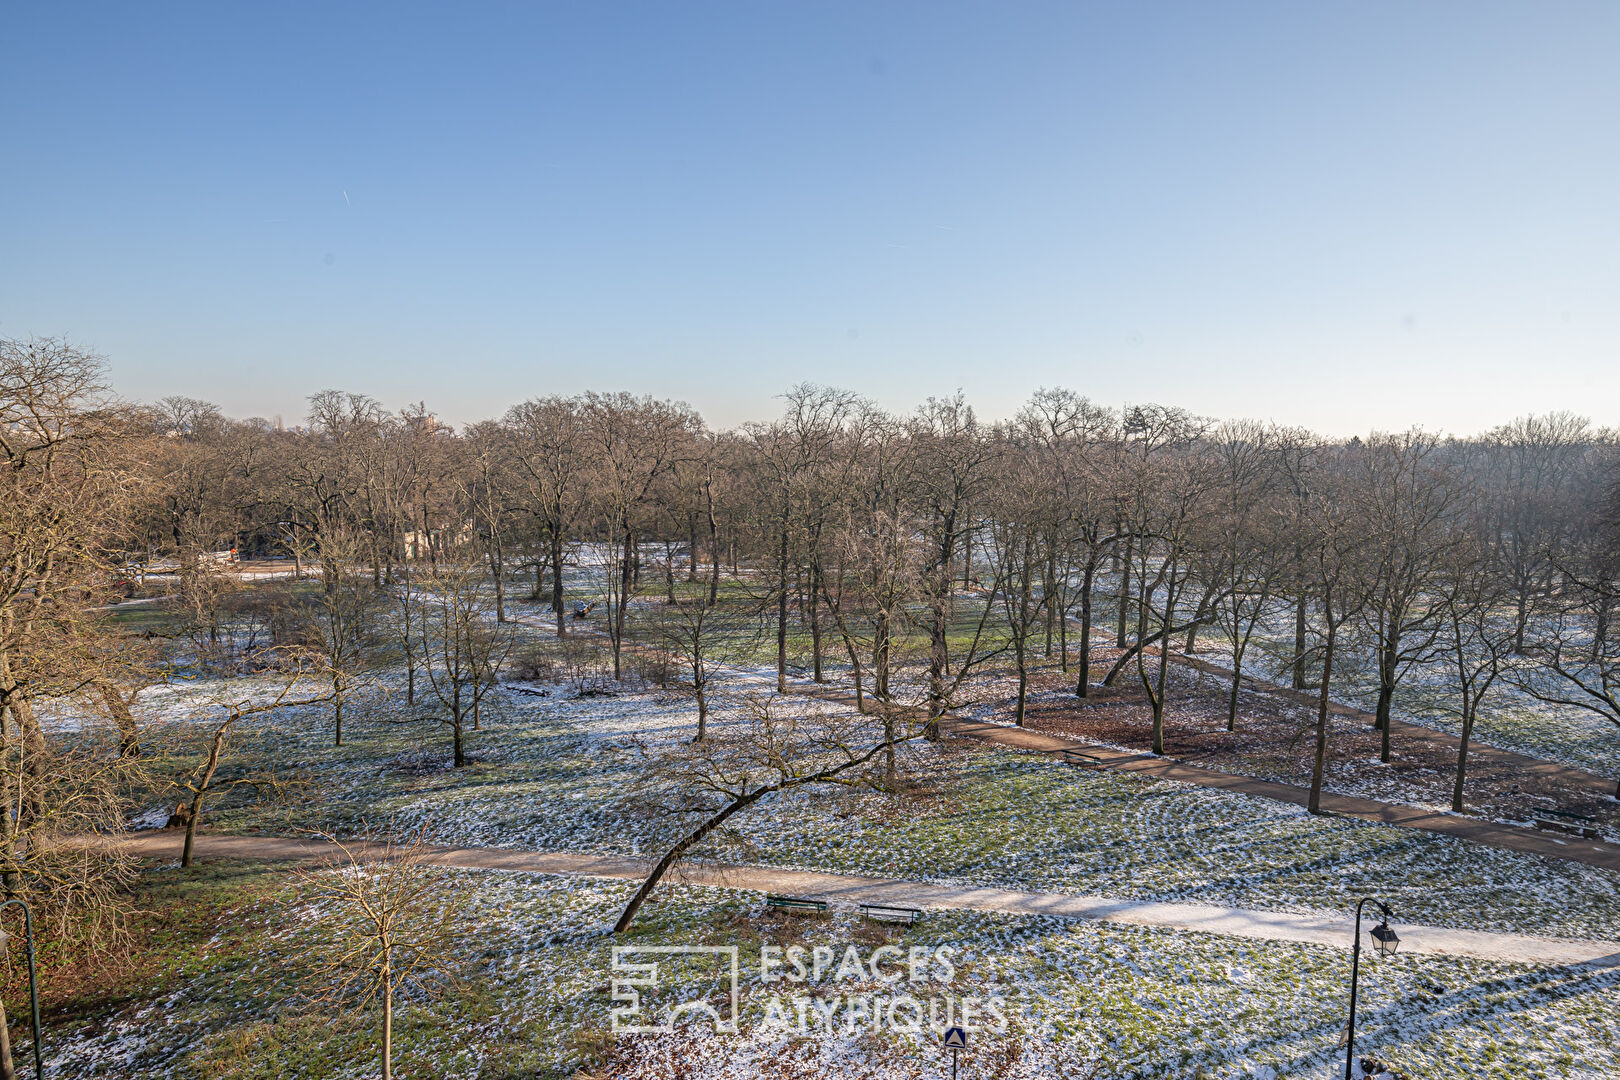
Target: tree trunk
pixel 1299 644
pixel 626 584
pixel 691 547
pixel 702 701
pixel 1125 658
pixel 1232 693
pixel 814 599
pixel 1124 594
pixel 557 582
pixel 8 1071
pixel 1323 712
pixel 1521 618
pixel 669 574
pixel 199 790
pixel 781 612
pixel 939 656
pixel 129 742
pixel 1060 598
pixel 690 841
pixel 1082 684
pixel 1386 695
pixel 1156 692
pixel 1048 584
pixel 388 1026
pixel 1023 676
pixel 714 545
pixel 1021 630
pixel 1469 708
pixel 880 658
pixel 497 566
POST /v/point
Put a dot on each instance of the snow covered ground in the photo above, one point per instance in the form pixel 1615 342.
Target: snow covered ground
pixel 1080 999
pixel 551 773
pixel 551 770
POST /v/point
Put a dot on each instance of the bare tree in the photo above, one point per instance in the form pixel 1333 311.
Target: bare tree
pixel 345 616
pixel 710 782
pixel 1018 509
pixel 1405 497
pixel 1530 482
pixel 461 648
pixel 547 442
pixel 1080 443
pixel 396 921
pixel 633 443
pixel 1334 550
pixel 703 638
pixel 1246 541
pixel 202 779
pixel 953 467
pixel 67 470
pixel 1169 483
pixel 1476 640
pixel 1572 664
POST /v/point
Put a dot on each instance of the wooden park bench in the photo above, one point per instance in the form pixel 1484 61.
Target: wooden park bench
pixel 891 913
pixel 1082 757
pixel 1568 821
pixel 794 903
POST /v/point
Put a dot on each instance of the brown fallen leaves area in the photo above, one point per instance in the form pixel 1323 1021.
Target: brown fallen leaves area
pixel 1275 740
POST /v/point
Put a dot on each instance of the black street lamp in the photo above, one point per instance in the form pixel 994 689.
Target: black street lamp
pixel 1386 942
pixel 6 1067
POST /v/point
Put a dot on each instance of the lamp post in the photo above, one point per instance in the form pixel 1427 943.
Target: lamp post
pixel 1386 942
pixel 7 1070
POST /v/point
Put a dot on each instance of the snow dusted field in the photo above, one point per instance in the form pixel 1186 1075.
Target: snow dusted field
pixel 1509 719
pixel 1082 999
pixel 551 773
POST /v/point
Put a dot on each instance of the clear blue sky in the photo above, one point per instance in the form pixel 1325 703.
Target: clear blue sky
pixel 1346 215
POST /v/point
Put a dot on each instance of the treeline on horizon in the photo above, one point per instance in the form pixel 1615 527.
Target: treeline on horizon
pixel 1194 522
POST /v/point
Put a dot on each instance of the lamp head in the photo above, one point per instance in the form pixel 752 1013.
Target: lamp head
pixel 1385 940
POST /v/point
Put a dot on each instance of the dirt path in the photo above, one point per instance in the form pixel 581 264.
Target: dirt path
pixel 1512 837
pixel 851 889
pixel 1405 732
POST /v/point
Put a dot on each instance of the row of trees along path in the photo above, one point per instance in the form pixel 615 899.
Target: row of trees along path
pixel 1415 733
pixel 1494 834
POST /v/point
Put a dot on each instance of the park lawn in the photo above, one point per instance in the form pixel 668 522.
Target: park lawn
pixel 141 618
pixel 230 994
pixel 550 773
pixel 1509 719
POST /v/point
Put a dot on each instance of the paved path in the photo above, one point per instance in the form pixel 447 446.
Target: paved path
pixel 852 889
pixel 1512 837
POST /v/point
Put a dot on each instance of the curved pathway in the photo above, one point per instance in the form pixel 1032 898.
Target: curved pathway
pixel 1569 775
pixel 851 889
pixel 1512 837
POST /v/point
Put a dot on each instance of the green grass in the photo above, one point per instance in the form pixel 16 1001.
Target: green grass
pixel 552 774
pixel 534 998
pixel 141 619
